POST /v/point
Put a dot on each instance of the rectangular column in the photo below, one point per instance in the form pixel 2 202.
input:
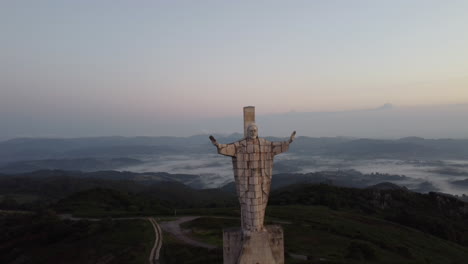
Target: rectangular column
pixel 249 117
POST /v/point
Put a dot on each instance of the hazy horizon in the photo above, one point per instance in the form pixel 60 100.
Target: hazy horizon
pixel 384 122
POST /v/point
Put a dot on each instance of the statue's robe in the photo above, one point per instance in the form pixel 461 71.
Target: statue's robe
pixel 252 160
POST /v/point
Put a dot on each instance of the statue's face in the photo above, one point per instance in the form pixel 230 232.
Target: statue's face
pixel 252 132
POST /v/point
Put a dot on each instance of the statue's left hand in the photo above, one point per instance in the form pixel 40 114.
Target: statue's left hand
pixel 292 137
pixel 213 141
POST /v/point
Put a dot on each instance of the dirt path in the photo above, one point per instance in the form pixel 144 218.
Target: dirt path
pixel 154 255
pixel 173 227
pixel 73 218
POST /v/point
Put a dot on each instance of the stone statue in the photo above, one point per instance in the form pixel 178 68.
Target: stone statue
pixel 252 160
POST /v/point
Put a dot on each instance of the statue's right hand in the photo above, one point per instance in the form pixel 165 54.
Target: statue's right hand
pixel 213 140
pixel 292 137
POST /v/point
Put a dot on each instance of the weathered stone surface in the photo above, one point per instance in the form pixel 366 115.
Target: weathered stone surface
pixel 265 247
pixel 252 173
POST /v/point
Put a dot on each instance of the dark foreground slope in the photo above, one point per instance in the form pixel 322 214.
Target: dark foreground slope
pixel 43 238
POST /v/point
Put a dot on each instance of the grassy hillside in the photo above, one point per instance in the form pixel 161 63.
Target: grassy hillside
pixel 42 188
pixel 101 202
pixel 162 199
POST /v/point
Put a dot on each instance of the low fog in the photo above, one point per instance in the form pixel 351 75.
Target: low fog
pixel 216 170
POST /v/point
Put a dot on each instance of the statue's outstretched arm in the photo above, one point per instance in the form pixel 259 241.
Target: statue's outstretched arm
pixel 292 137
pixel 213 141
pixel 224 149
pixel 282 146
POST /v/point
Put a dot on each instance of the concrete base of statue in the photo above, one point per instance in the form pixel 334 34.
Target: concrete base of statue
pixel 257 248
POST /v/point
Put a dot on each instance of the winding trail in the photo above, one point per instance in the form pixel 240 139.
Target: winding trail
pixel 154 255
pixel 173 227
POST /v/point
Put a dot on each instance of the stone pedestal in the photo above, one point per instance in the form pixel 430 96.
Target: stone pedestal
pixel 258 248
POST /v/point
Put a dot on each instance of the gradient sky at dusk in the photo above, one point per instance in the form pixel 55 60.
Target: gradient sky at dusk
pixel 95 62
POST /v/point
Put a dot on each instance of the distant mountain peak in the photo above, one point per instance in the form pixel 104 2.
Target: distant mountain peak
pixel 386 106
pixel 412 139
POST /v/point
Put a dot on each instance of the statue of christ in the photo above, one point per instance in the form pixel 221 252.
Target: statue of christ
pixel 252 160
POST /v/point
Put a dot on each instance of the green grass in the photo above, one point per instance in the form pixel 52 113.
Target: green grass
pixel 96 212
pixel 21 198
pixel 228 211
pixel 209 229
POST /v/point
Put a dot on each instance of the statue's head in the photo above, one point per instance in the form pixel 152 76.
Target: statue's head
pixel 252 131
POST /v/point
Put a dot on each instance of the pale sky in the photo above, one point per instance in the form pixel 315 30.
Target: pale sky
pixel 145 63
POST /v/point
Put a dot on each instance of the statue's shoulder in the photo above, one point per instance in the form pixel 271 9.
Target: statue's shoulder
pixel 242 142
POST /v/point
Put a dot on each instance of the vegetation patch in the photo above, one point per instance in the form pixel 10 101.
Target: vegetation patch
pixel 210 229
pixel 174 251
